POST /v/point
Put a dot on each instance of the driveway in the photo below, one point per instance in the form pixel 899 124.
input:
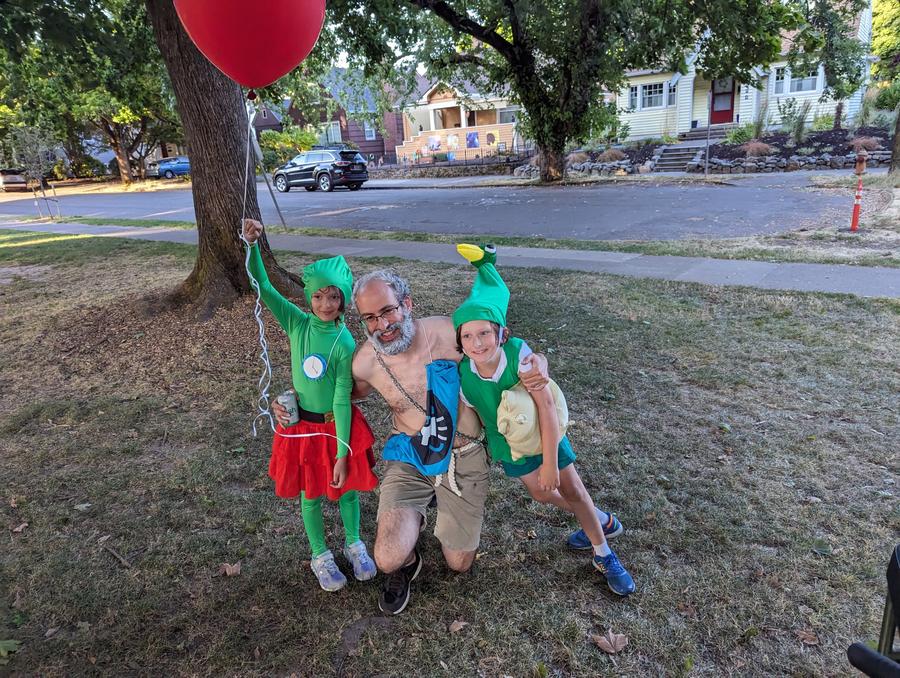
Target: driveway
pixel 749 205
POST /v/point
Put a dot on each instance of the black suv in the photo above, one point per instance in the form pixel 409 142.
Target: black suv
pixel 323 169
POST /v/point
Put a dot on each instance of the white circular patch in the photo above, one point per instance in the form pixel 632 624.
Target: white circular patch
pixel 314 366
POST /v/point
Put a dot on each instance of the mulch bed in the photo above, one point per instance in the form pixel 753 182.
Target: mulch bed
pixel 828 141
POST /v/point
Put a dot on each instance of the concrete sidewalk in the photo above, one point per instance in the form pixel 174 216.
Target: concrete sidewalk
pixel 864 281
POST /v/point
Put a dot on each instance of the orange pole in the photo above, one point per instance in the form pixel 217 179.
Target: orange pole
pixel 854 222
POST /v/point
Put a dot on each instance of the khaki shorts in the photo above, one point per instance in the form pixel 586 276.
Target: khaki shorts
pixel 459 519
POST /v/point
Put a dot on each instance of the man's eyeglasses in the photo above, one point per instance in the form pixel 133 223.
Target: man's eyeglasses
pixel 371 319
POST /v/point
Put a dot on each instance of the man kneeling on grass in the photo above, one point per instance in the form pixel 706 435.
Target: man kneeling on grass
pixel 412 363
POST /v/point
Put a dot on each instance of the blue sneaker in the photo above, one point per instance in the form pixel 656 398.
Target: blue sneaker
pixel 327 572
pixel 579 541
pixel 617 577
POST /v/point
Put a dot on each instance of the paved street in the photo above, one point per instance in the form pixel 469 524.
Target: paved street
pixel 867 281
pixel 748 205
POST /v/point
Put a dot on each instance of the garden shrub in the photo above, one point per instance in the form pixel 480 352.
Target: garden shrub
pixel 761 120
pixel 611 155
pixel 575 158
pixel 756 149
pixel 794 118
pixel 868 143
pixel 739 135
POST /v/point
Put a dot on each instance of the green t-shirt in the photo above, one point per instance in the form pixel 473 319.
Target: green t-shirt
pixel 308 335
pixel 484 393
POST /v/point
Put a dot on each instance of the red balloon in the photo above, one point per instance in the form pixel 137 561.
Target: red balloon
pixel 254 43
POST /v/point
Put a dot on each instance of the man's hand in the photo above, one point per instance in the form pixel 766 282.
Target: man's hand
pixel 340 473
pixel 281 415
pixel 252 229
pixel 548 477
pixel 533 372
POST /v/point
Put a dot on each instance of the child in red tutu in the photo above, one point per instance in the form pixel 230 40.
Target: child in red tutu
pixel 329 451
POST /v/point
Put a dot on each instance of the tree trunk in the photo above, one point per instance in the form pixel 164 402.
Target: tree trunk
pixel 121 158
pixel 553 162
pixel 895 151
pixel 838 114
pixel 212 112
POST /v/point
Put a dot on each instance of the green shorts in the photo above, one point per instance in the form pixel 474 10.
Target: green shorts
pixel 565 456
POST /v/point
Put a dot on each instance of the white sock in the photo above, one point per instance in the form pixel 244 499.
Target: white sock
pixel 602 550
pixel 602 516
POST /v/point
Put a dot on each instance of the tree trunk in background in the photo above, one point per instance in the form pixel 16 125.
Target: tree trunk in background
pixel 553 163
pixel 121 158
pixel 212 112
pixel 838 114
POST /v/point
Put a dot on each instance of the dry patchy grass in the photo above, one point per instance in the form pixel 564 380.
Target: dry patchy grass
pixel 732 431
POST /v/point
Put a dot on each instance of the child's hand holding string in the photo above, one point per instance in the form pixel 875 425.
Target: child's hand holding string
pixel 340 473
pixel 251 230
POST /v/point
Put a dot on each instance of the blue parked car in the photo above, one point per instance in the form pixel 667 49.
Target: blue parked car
pixel 169 168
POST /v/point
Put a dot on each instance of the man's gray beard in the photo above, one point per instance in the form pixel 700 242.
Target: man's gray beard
pixel 407 333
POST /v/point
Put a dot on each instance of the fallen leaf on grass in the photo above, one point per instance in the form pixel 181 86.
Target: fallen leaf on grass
pixel 807 637
pixel 13 502
pixel 687 610
pixel 82 507
pixel 610 643
pixel 444 665
pixel 821 547
pixel 51 632
pixel 8 646
pixel 230 570
pixel 256 653
pixel 20 528
pixel 458 625
pixel 104 539
pixel 531 534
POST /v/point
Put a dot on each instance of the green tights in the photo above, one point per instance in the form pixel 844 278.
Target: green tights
pixel 311 510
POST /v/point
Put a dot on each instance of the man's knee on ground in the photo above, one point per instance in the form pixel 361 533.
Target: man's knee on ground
pixel 459 561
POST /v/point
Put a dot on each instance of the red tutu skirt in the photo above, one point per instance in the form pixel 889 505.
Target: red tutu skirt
pixel 307 464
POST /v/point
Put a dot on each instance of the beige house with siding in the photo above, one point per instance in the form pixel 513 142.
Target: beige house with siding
pixel 657 103
pixel 449 124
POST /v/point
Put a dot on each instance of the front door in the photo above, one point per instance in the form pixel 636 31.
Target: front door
pixel 723 101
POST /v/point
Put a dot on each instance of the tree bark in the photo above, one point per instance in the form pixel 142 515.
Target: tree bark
pixel 838 114
pixel 212 112
pixel 122 160
pixel 553 163
pixel 895 151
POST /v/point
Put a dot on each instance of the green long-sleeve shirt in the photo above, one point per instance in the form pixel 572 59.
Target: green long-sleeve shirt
pixel 309 335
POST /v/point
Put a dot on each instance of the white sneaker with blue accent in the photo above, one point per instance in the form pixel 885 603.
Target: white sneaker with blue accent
pixel 327 572
pixel 363 567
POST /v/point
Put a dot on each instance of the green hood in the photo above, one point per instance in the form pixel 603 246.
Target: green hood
pixel 325 273
pixel 489 298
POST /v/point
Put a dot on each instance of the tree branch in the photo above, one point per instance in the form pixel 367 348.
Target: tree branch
pixel 466 25
pixel 467 58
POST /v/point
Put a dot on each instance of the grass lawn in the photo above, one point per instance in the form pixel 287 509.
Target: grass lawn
pixel 746 439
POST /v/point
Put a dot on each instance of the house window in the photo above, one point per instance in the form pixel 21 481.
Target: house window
pixel 672 89
pixel 652 95
pixel 805 83
pixel 331 133
pixel 507 115
pixel 369 130
pixel 633 98
pixel 779 80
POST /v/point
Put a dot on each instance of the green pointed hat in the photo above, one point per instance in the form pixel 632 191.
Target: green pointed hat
pixel 325 273
pixel 489 297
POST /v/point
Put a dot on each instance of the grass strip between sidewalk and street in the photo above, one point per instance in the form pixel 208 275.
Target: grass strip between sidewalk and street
pixel 743 437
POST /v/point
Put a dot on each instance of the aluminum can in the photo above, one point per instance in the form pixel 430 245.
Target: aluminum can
pixel 288 400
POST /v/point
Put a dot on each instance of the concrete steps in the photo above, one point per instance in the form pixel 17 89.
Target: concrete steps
pixel 674 159
pixel 699 134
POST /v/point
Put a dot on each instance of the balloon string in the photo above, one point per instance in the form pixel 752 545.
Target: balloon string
pixel 265 379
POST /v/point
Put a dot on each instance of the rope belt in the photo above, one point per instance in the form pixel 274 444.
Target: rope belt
pixel 451 471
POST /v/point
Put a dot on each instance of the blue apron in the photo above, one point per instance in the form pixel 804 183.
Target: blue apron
pixel 429 450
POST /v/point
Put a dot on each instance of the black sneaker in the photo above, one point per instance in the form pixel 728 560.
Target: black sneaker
pixel 395 593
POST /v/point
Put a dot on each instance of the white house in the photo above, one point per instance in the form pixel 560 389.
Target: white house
pixel 657 103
